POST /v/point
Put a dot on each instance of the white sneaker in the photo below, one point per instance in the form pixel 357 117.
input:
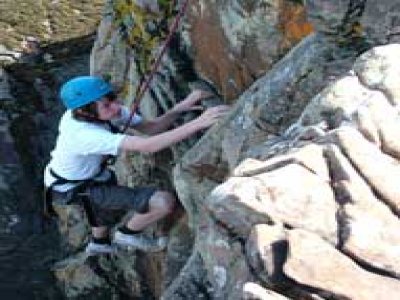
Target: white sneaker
pixel 96 249
pixel 140 241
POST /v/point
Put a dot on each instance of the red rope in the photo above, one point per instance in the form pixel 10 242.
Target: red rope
pixel 144 86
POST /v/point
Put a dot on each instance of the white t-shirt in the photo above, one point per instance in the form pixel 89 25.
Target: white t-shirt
pixel 81 146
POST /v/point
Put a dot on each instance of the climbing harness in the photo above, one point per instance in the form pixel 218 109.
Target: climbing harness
pixel 77 195
pixel 78 192
pixel 145 84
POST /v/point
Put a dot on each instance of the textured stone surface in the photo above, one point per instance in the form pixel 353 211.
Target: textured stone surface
pixel 356 18
pixel 222 254
pixel 253 291
pixel 29 243
pixel 311 147
pixel 379 170
pixel 347 159
pixel 227 48
pixel 374 64
pixel 4 86
pixel 266 250
pixel 335 273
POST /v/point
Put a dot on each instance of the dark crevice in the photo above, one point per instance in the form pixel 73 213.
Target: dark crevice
pixel 280 164
pixel 279 282
pixel 343 226
pixel 374 191
pixel 190 280
pixel 351 24
pixel 341 198
pixel 202 288
pixel 370 268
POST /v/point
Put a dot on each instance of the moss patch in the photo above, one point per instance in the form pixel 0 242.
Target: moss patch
pixel 47 20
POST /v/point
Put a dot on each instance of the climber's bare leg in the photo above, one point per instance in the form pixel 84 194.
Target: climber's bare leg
pixel 161 204
pixel 100 232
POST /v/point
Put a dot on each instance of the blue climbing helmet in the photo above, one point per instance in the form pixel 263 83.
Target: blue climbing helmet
pixel 83 90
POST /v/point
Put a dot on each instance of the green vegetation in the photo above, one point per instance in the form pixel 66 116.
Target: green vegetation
pixel 47 20
pixel 142 30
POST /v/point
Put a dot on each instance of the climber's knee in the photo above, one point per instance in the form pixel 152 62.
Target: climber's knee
pixel 163 201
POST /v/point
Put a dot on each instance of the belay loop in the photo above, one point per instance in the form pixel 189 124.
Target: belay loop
pixel 145 84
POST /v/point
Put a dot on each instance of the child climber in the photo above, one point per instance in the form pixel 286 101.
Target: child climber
pixel 76 172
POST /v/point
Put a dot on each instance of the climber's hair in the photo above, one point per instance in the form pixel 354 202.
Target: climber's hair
pixel 88 112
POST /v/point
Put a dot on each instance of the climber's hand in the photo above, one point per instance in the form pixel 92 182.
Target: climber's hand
pixel 212 115
pixel 189 103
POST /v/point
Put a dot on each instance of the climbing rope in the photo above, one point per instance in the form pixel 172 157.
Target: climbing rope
pixel 145 84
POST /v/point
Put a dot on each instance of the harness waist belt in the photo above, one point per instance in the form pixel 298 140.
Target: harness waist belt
pixel 78 192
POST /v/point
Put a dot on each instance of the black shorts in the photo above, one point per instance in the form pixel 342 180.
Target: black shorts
pixel 109 203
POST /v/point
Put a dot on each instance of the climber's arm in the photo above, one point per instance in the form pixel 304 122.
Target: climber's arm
pixel 164 140
pixel 159 124
pixel 164 122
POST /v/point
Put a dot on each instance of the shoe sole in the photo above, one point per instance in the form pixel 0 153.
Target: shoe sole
pixel 99 253
pixel 133 248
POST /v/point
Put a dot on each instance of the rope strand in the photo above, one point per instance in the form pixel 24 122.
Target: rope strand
pixel 144 85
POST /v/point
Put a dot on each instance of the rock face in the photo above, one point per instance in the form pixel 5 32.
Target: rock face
pixel 356 18
pixel 337 142
pixel 328 177
pixel 234 44
pixel 295 194
pixel 5 87
pixel 29 111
